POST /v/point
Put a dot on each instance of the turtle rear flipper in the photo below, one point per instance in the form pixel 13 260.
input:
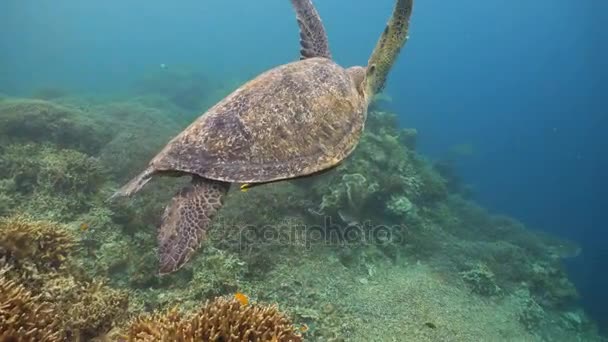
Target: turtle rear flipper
pixel 186 220
pixel 134 185
pixel 313 38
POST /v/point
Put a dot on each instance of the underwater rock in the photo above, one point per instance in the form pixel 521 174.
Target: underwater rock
pixel 222 319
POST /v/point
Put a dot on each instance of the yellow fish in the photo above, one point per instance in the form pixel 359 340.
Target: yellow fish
pixel 242 298
pixel 84 227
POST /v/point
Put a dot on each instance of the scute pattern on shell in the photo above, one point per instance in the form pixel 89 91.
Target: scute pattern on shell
pixel 293 120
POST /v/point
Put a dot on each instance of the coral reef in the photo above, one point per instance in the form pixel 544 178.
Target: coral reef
pixel 39 263
pixel 28 121
pixel 220 320
pixel 412 259
pixel 30 248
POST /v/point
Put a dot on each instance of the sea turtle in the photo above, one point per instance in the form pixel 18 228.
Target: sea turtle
pixel 294 120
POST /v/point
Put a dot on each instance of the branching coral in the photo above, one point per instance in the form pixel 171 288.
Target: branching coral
pixel 349 196
pixel 220 320
pixel 37 254
pixel 44 244
pixel 25 317
pixel 95 310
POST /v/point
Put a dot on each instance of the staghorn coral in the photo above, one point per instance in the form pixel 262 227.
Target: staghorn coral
pixel 222 319
pixel 26 317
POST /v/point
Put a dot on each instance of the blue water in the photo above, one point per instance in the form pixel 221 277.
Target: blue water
pixel 523 82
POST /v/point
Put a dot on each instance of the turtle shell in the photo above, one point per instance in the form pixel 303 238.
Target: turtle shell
pixel 291 121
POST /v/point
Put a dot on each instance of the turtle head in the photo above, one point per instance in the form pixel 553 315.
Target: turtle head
pixel 357 74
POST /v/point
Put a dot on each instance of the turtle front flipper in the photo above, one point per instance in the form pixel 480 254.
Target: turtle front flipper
pixel 388 47
pixel 313 38
pixel 186 220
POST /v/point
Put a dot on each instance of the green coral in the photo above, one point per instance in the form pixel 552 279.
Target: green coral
pixel 481 280
pixel 27 121
pixel 399 206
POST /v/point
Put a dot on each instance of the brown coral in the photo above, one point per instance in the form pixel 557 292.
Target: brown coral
pixel 25 317
pixel 37 256
pixel 221 320
pixel 95 310
pixel 42 243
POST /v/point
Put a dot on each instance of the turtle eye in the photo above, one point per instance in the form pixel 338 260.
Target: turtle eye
pixel 371 70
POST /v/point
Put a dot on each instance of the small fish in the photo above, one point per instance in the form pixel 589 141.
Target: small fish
pixel 245 187
pixel 163 66
pixel 84 227
pixel 242 298
pixel 430 325
pixel 303 328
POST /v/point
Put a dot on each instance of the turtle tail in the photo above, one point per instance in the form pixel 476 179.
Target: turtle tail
pixel 388 47
pixel 186 220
